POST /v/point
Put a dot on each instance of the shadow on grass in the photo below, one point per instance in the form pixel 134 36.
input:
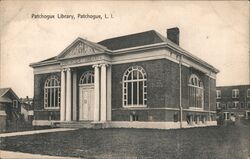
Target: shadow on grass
pixel 227 142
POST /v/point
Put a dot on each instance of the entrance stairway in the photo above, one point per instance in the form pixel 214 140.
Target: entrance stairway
pixel 78 124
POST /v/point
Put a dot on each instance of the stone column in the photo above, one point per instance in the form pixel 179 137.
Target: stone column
pixel 109 93
pixel 103 92
pixel 96 93
pixel 68 95
pixel 74 80
pixel 62 107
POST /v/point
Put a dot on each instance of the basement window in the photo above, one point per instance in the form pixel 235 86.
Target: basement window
pixel 134 117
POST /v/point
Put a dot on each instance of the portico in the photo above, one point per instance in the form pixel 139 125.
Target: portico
pixel 85 77
pixel 85 97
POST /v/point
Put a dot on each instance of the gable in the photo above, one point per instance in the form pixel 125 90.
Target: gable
pixel 80 48
pixel 7 95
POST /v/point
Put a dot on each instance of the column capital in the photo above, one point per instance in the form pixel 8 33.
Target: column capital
pixel 104 64
pixel 96 65
pixel 68 69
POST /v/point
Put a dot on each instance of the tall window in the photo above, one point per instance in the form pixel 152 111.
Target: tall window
pixel 87 78
pixel 218 105
pixel 134 87
pixel 218 94
pixel 52 93
pixel 248 92
pixel 235 93
pixel 195 92
pixel 235 104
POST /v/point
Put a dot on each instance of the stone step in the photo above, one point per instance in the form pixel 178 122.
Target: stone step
pixel 80 124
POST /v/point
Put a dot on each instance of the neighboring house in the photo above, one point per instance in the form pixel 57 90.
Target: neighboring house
pixel 143 78
pixel 27 108
pixel 10 109
pixel 233 101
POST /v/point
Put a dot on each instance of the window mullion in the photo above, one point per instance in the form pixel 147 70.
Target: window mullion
pixel 138 93
pixel 132 91
pixel 143 93
pixel 50 102
pixel 54 94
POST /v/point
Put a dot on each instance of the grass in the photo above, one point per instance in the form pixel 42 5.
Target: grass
pixel 227 142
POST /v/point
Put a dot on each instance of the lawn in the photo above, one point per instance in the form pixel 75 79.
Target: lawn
pixel 227 142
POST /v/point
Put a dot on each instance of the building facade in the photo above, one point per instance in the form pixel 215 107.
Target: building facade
pixel 138 78
pixel 27 109
pixel 233 101
pixel 10 109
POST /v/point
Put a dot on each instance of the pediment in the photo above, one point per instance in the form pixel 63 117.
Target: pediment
pixel 81 48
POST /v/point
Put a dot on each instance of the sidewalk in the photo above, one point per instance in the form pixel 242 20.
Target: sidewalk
pixel 34 132
pixel 20 155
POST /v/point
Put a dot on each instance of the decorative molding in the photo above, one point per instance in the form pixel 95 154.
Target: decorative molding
pixel 175 109
pixel 80 49
pixel 144 108
pixel 47 69
pixel 81 60
pixel 95 65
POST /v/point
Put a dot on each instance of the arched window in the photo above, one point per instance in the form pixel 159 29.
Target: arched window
pixel 196 92
pixel 52 93
pixel 134 87
pixel 87 78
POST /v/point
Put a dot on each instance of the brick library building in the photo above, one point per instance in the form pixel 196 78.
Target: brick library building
pixel 137 80
pixel 233 101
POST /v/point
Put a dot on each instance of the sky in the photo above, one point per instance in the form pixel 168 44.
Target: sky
pixel 215 31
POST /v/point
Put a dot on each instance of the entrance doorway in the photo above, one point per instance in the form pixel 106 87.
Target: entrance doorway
pixel 86 96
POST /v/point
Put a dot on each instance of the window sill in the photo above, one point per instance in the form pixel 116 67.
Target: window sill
pixel 135 106
pixel 55 108
pixel 195 108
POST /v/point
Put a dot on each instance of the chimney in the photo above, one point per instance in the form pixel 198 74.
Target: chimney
pixel 173 35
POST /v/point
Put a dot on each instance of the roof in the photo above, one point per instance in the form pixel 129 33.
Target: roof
pixel 49 59
pixel 3 91
pixel 5 100
pixel 234 86
pixel 132 40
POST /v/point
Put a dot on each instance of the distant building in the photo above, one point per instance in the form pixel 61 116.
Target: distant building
pixel 233 101
pixel 27 108
pixel 10 109
pixel 143 78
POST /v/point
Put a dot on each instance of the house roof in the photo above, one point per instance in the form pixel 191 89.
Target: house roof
pixel 3 98
pixel 3 91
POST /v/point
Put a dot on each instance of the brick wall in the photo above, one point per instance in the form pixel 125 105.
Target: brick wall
pixel 162 89
pixel 162 83
pixel 39 112
pixel 145 115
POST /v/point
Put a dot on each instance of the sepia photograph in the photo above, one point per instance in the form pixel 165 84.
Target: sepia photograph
pixel 124 79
